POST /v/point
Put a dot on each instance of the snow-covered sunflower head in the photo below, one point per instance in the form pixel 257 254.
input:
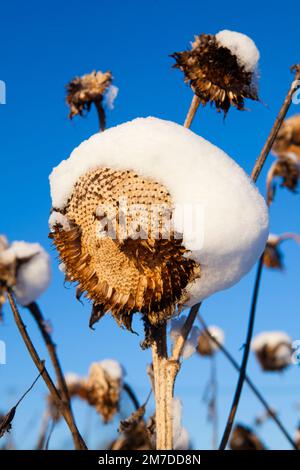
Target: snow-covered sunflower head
pixel 221 69
pixel 273 350
pixel 85 90
pixel 148 216
pixel 25 269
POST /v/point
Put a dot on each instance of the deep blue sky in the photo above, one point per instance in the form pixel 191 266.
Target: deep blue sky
pixel 43 45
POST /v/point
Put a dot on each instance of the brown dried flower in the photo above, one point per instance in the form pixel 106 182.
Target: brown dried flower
pixel 120 272
pixel 104 389
pixel 216 73
pixel 88 89
pixel 273 257
pixel 101 389
pixel 287 150
pixel 243 438
pixel 206 346
pixel 135 433
pixel 273 350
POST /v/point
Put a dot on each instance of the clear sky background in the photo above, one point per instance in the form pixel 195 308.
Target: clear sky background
pixel 43 46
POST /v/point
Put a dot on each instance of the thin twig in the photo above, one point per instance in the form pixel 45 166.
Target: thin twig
pixel 256 392
pixel 214 405
pixel 78 441
pixel 277 124
pixel 51 347
pixel 242 374
pixel 192 111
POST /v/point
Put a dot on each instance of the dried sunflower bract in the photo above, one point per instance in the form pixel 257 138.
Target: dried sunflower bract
pixel 221 69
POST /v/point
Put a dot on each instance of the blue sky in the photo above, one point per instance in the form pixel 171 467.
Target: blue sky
pixel 45 44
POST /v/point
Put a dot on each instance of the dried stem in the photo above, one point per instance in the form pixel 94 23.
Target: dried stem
pixel 254 175
pixel 256 392
pixel 162 390
pixel 242 374
pixel 192 111
pixel 127 388
pixel 51 347
pixel 214 408
pixel 277 124
pixel 178 348
pixel 165 371
pixel 101 115
pixel 78 441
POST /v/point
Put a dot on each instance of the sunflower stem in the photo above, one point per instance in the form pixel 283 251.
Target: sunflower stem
pixel 192 111
pixel 256 392
pixel 164 379
pixel 51 347
pixel 276 126
pixel 78 441
pixel 101 115
pixel 243 368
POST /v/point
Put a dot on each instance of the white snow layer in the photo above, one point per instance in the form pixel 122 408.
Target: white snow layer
pixel 241 46
pixel 228 229
pixel 192 340
pixel 33 274
pixel 112 368
pixel 270 338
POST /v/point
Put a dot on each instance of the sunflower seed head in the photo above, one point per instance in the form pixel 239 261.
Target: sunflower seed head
pixel 117 270
pixel 215 75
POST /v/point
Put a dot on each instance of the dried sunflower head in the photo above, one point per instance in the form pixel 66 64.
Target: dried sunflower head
pixel 206 346
pixel 123 261
pixel 286 167
pixel 83 91
pixel 128 220
pixel 273 256
pixel 104 385
pixel 221 69
pixel 243 438
pixel 273 350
